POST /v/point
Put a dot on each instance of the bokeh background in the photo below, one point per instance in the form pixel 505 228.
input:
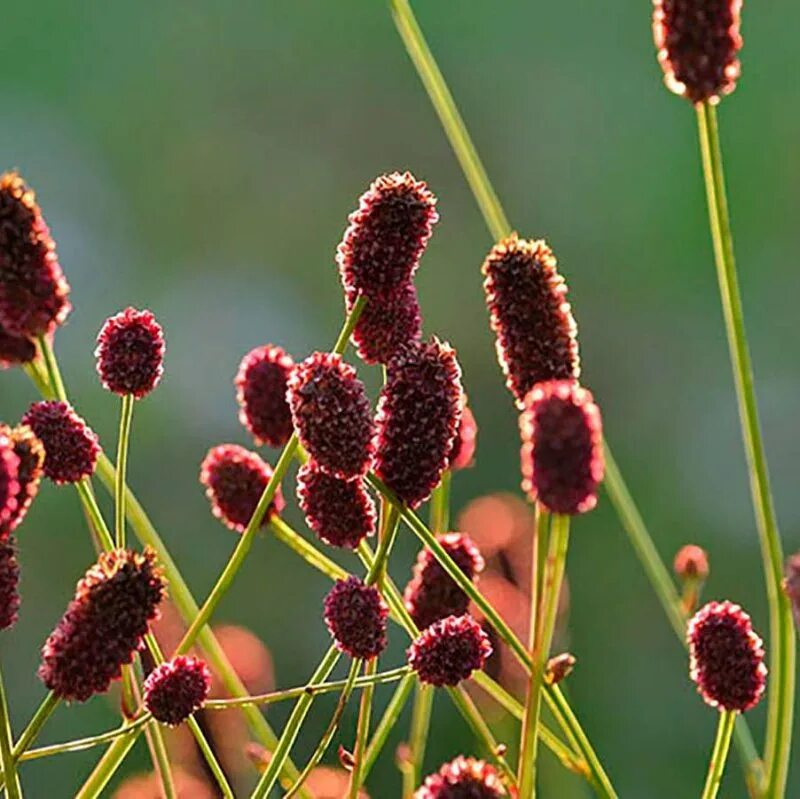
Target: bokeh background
pixel 200 159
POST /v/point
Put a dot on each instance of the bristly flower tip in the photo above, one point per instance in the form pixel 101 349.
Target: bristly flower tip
pixel 9 583
pixel 463 778
pixel 176 689
pixel 356 615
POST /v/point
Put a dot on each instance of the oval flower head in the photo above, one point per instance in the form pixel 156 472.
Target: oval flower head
pixel 9 484
pixel 463 778
pixel 355 615
pixel 30 452
pixel 176 689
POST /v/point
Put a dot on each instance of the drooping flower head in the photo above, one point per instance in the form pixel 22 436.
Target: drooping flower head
pixel 9 583
pixel 331 414
pixel 340 512
pixel 33 290
pixel 71 447
pixel 529 314
pixel 130 353
pixel 30 452
pixel 176 689
pixel 235 479
pixel 103 626
pixel 726 657
pixel 691 563
pixel 9 485
pixel 387 235
pixel 15 349
pixel 462 453
pixel 356 615
pixel 562 447
pixel 418 414
pixel 791 584
pixel 463 778
pixel 698 44
pixel 261 394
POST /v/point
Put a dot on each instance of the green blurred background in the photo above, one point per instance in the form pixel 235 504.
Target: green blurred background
pixel 200 159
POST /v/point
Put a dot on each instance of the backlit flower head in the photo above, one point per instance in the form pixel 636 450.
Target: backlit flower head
pixel 356 615
pixel 691 563
pixel 9 583
pixel 9 485
pixel 30 452
pixel 15 349
pixel 462 453
pixel 176 689
pixel 463 778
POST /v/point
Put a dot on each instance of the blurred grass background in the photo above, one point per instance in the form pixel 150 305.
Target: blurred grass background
pixel 200 159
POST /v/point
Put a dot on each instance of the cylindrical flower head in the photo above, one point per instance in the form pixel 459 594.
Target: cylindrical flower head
pixel 355 615
pixel 698 45
pixel 462 778
pixel 33 290
pixel 176 689
pixel 130 353
pixel 235 479
pixel 449 651
pixel 71 447
pixel 791 585
pixel 261 394
pixel 726 658
pixel 104 624
pixel 432 594
pixel 387 235
pixel 9 485
pixel 418 414
pixel 331 414
pixel 340 512
pixel 15 349
pixel 30 452
pixel 562 447
pixel 529 313
pixel 9 583
pixel 691 563
pixel 462 453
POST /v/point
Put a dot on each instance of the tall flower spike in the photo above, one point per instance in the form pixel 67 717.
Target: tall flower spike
pixel 463 778
pixel 9 582
pixel 33 290
pixel 130 353
pixel 71 447
pixel 104 624
pixel 698 44
pixel 387 235
pixel 176 689
pixel 462 453
pixel 9 485
pixel 562 447
pixel 235 479
pixel 726 658
pixel 356 615
pixel 30 452
pixel 529 313
pixel 331 414
pixel 261 394
pixel 418 414
pixel 14 349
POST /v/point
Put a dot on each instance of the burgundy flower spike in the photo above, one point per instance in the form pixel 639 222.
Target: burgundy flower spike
pixel 9 485
pixel 15 350
pixel 463 778
pixel 356 617
pixel 176 689
pixel 9 582
pixel 30 452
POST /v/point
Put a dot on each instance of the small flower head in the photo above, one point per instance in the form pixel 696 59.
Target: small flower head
pixel 462 453
pixel 562 447
pixel 235 479
pixel 530 315
pixel 331 413
pixel 9 484
pixel 71 447
pixel 356 615
pixel 449 651
pixel 691 563
pixel 387 235
pixel 176 689
pixel 791 584
pixel 726 658
pixel 698 44
pixel 30 452
pixel 15 349
pixel 418 415
pixel 261 394
pixel 432 594
pixel 33 290
pixel 114 604
pixel 463 778
pixel 130 353
pixel 9 583
pixel 340 512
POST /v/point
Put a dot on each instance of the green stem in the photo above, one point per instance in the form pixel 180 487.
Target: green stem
pixel 210 758
pixel 307 551
pixel 13 785
pixel 358 775
pixel 420 725
pixel 719 755
pixel 391 522
pixel 35 725
pixel 440 504
pixel 108 764
pixel 160 757
pixel 125 418
pixel 51 369
pixel 89 501
pixel 387 722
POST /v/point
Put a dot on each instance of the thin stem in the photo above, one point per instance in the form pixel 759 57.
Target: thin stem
pixel 357 774
pixel 13 785
pixel 51 369
pixel 391 523
pixel 420 726
pixel 89 501
pixel 108 765
pixel 210 758
pixel 160 757
pixel 387 722
pixel 125 418
pixel 719 755
pixel 440 504
pixel 35 725
pixel 307 551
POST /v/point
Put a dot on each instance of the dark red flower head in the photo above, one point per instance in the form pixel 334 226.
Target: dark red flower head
pixel 387 235
pixel 33 290
pixel 176 689
pixel 9 484
pixel 340 512
pixel 261 393
pixel 331 413
pixel 449 651
pixel 462 778
pixel 462 453
pixel 15 349
pixel 356 617
pixel 71 447
pixel 691 563
pixel 562 447
pixel 530 315
pixel 432 594
pixel 235 479
pixel 698 45
pixel 103 626
pixel 726 658
pixel 9 582
pixel 30 452
pixel 791 584
pixel 418 415
pixel 130 353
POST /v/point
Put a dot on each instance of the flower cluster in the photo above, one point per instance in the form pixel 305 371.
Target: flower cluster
pixel 30 460
pixel 176 689
pixel 356 615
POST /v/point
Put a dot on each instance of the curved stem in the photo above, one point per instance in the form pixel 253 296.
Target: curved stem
pixel 125 418
pixel 719 755
pixel 13 786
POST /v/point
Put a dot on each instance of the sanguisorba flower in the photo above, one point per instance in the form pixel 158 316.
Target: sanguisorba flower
pixel 9 582
pixel 355 615
pixel 529 313
pixel 462 778
pixel 331 414
pixel 9 485
pixel 261 384
pixel 462 453
pixel 387 235
pixel 726 657
pixel 30 452
pixel 176 689
pixel 698 45
pixel 418 414
pixel 562 447
pixel 235 479
pixel 104 624
pixel 15 350
pixel 33 290
pixel 130 353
